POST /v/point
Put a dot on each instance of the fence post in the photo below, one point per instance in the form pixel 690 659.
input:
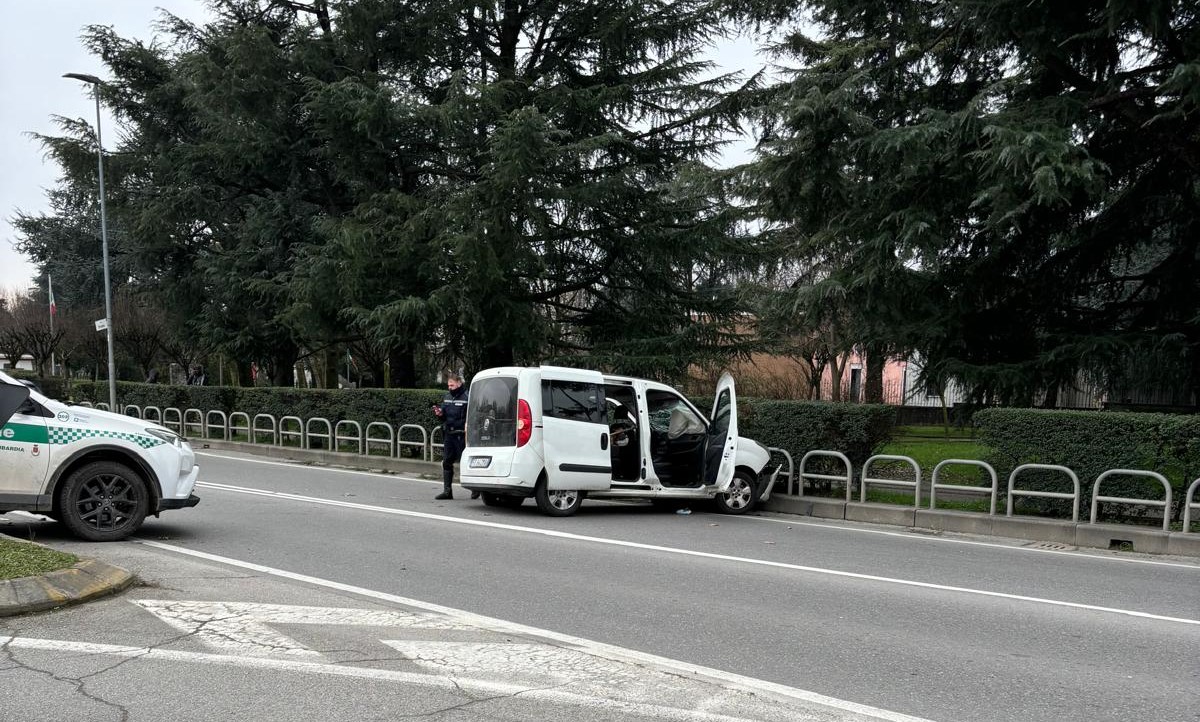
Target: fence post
pixel 915 485
pixel 848 478
pixel 1012 479
pixel 934 485
pixel 1165 503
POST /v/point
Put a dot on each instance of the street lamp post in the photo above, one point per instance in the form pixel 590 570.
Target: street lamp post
pixel 112 364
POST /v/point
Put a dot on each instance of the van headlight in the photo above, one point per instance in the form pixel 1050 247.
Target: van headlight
pixel 168 436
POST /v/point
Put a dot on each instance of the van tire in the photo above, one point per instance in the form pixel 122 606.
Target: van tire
pixel 742 494
pixel 103 501
pixel 557 503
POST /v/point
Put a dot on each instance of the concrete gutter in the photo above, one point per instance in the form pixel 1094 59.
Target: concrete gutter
pixel 1126 537
pixel 88 579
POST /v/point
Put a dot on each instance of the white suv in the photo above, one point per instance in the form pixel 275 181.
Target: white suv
pixel 560 434
pixel 98 473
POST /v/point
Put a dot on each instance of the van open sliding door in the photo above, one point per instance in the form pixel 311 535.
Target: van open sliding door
pixel 575 430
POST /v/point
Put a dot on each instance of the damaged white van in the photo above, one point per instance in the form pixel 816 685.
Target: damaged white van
pixel 561 434
pixel 98 473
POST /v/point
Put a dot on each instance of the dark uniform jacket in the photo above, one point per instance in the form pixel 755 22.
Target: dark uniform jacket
pixel 454 410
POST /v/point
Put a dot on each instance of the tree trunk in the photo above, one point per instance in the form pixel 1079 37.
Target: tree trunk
pixel 837 365
pixel 816 370
pixel 329 369
pixel 243 374
pixel 403 364
pixel 873 362
pixel 498 356
pixel 283 368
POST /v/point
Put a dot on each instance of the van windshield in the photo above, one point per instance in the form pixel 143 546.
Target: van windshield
pixel 492 412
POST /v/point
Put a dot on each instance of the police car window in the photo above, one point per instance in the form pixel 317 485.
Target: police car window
pixel 30 408
pixel 573 401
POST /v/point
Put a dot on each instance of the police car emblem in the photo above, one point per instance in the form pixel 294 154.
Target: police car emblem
pixel 64 416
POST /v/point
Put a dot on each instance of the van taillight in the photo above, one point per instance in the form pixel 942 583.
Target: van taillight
pixel 524 423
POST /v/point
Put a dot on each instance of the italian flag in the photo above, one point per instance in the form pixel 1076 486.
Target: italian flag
pixel 50 288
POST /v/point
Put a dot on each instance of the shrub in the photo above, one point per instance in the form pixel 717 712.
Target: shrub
pixel 1090 443
pixel 856 430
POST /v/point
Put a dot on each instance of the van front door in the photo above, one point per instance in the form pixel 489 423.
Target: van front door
pixel 721 454
pixel 575 430
pixel 24 442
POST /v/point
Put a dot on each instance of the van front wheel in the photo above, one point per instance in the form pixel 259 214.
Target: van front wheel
pixel 740 496
pixel 557 503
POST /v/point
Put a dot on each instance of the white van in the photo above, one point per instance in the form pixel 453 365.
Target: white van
pixel 98 473
pixel 560 434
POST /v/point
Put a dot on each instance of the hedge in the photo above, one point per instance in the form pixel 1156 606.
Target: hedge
pixel 1090 443
pixel 856 430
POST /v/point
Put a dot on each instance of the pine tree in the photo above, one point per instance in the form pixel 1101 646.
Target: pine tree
pixel 1007 187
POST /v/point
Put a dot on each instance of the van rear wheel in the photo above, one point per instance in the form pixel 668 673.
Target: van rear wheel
pixel 559 502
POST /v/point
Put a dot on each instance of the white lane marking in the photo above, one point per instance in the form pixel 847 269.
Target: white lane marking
pixel 523 663
pixel 449 684
pixel 817 525
pixel 969 542
pixel 599 649
pixel 242 628
pixel 692 553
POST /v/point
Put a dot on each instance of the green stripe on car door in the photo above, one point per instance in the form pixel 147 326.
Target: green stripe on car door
pixel 25 433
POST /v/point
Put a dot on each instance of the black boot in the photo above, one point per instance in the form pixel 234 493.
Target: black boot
pixel 447 478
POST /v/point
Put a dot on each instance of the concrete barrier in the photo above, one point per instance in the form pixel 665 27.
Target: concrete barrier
pixel 1059 531
pixel 1110 536
pixel 964 522
pixel 881 513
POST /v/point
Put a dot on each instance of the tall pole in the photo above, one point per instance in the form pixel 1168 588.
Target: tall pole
pixel 50 289
pixel 112 363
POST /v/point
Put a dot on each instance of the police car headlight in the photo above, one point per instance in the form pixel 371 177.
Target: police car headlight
pixel 168 436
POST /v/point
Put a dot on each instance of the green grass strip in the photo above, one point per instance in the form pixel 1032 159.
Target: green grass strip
pixel 18 559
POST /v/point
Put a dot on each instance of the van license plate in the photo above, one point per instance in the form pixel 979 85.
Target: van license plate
pixel 480 462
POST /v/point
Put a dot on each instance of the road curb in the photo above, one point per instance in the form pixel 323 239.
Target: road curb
pixel 88 579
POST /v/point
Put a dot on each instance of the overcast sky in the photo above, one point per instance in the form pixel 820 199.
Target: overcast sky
pixel 39 41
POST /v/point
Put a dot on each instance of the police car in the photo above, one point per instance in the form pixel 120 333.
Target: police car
pixel 98 473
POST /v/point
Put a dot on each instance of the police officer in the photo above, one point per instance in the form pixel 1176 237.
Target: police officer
pixel 453 413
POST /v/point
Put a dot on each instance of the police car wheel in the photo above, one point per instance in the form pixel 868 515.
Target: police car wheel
pixel 103 501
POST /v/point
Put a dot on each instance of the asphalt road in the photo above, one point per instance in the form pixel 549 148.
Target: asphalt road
pixel 948 628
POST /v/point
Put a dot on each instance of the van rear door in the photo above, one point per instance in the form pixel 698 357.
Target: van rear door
pixel 575 430
pixel 491 426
